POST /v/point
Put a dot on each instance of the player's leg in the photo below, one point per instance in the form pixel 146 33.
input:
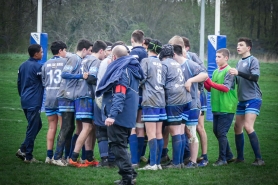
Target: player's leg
pixel 252 110
pixel 66 108
pixel 203 138
pixel 222 123
pixel 175 128
pixel 238 128
pixel 160 143
pixel 78 129
pixel 52 128
pixel 140 132
pixel 183 140
pixel 165 134
pixel 102 138
pixel 86 129
pixel 151 132
pixel 89 150
pixel 191 131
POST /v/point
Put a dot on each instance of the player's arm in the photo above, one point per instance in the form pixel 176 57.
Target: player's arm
pixel 251 77
pixel 92 74
pixel 254 71
pixel 227 84
pixel 207 86
pixel 119 97
pixel 68 69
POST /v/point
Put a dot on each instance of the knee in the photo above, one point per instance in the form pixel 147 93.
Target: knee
pixel 193 136
pixel 249 129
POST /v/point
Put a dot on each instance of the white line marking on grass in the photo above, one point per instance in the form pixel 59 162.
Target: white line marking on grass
pixel 10 108
pixel 11 120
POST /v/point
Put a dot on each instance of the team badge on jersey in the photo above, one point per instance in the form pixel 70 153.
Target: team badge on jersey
pixel 244 64
pixel 93 70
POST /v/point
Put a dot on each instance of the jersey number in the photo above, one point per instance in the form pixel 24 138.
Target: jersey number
pixel 55 76
pixel 180 74
pixel 158 77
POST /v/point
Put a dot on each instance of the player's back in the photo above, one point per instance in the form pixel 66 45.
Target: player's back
pixel 153 92
pixel 51 77
pixel 175 92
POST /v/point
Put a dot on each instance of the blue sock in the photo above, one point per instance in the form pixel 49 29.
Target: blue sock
pixel 140 147
pixel 133 145
pixel 182 148
pixel 83 156
pixel 160 143
pixel 103 148
pixel 164 152
pixel 73 141
pixel 186 147
pixel 49 153
pixel 153 151
pixel 239 139
pixel 205 156
pixel 176 144
pixel 255 144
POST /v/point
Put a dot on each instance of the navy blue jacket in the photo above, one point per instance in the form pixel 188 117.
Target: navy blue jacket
pixel 139 52
pixel 29 84
pixel 119 106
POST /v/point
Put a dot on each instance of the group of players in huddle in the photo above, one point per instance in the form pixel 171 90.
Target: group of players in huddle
pixel 172 101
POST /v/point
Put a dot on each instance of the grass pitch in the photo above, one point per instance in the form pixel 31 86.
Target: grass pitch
pixel 13 127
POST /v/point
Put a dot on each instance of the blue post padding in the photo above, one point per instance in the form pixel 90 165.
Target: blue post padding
pixel 215 42
pixel 41 39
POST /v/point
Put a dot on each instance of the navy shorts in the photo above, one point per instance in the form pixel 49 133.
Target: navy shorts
pixel 84 108
pixel 175 112
pixel 51 112
pixel 153 114
pixel 191 116
pixel 66 105
pixel 250 106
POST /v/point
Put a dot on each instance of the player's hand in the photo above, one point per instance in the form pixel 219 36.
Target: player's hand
pixel 85 75
pixel 187 85
pixel 233 71
pixel 109 121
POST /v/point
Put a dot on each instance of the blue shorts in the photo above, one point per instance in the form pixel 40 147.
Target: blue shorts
pixel 51 112
pixel 153 114
pixel 65 105
pixel 203 100
pixel 250 106
pixel 84 108
pixel 191 116
pixel 175 112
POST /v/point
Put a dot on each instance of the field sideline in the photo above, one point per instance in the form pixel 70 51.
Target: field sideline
pixel 13 126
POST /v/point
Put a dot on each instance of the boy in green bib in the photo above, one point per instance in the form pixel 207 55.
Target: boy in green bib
pixel 223 103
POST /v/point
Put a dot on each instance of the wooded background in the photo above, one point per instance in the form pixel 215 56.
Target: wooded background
pixel 113 20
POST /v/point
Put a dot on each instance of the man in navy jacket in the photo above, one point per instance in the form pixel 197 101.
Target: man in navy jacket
pixel 119 87
pixel 30 90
